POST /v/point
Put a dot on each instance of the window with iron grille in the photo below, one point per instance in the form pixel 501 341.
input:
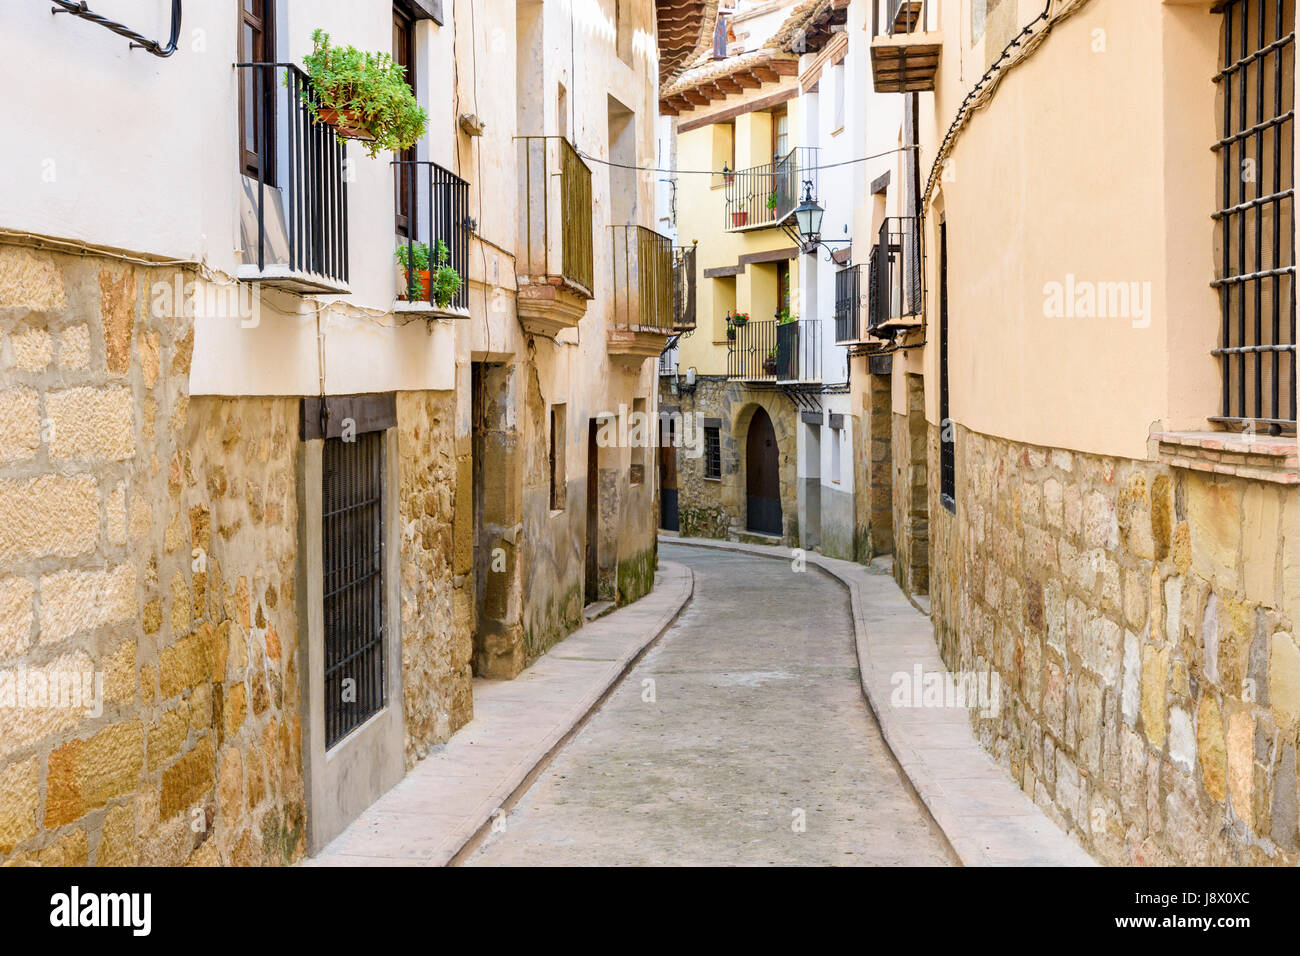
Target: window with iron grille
pixel 352 536
pixel 712 452
pixel 947 432
pixel 1256 223
pixel 558 446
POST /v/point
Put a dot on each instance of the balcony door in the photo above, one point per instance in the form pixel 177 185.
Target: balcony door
pixel 405 181
pixel 257 90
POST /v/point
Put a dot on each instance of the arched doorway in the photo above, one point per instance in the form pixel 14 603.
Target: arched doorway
pixel 762 477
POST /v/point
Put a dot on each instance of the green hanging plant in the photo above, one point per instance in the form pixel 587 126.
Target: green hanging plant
pixel 364 96
pixel 785 317
pixel 414 260
pixel 445 280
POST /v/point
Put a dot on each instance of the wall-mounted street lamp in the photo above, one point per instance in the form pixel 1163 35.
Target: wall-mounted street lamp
pixel 807 230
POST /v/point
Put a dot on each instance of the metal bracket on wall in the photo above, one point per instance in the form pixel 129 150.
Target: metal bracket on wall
pixel 79 9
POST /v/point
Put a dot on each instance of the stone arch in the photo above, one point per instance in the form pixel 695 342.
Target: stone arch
pixel 784 418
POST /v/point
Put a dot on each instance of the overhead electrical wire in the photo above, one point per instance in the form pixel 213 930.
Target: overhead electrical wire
pixel 721 172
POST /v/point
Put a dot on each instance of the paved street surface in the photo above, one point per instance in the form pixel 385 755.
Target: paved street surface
pixel 757 724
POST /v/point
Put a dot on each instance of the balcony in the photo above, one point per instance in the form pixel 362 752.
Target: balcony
pixel 848 304
pixel 432 208
pixel 905 45
pixel 555 263
pixel 668 362
pixel 777 352
pixel 761 197
pixel 293 212
pixel 684 288
pixel 896 297
pixel 642 294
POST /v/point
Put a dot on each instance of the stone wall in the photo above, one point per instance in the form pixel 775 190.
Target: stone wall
pixel 436 587
pixel 909 491
pixel 873 504
pixel 147 539
pixel 1141 619
pixel 710 508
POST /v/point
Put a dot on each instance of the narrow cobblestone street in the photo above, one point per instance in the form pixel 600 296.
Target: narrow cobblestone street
pixel 757 713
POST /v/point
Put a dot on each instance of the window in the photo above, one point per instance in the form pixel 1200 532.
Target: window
pixel 623 27
pixel 352 561
pixel 257 89
pixel 639 437
pixel 724 151
pixel 837 435
pixel 837 94
pixel 559 480
pixel 712 452
pixel 780 133
pixel 947 433
pixel 404 56
pixel 1256 219
pixel 783 285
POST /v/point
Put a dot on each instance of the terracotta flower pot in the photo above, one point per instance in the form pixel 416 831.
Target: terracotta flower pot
pixel 739 219
pixel 347 123
pixel 422 294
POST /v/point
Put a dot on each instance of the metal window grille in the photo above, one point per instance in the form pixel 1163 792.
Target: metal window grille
pixel 947 433
pixel 712 452
pixel 1256 218
pixel 848 303
pixel 352 534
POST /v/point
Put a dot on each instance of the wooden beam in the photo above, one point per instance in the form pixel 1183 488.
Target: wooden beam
pixel 784 67
pixel 746 80
pixel 754 106
pixel 728 85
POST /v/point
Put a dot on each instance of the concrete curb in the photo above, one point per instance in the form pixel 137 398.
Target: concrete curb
pixel 411 824
pixel 986 818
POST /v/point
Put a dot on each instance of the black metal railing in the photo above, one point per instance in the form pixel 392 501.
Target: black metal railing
pixel 311 202
pixel 766 195
pixel 436 202
pixel 895 17
pixel 668 361
pixel 751 351
pixel 555 203
pixel 1256 218
pixel 774 351
pixel 684 288
pixel 798 351
pixel 896 282
pixel 643 280
pixel 848 304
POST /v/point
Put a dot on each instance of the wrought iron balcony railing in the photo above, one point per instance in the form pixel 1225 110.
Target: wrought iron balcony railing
pixel 555 240
pixel 905 45
pixel 896 296
pixel 766 195
pixel 436 203
pixel 684 288
pixel 775 352
pixel 668 361
pixel 643 280
pixel 848 304
pixel 294 214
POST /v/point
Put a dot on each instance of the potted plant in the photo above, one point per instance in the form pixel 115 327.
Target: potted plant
pixel 739 318
pixel 727 175
pixel 731 332
pixel 769 363
pixel 414 260
pixel 785 317
pixel 739 219
pixel 771 200
pixel 446 280
pixel 363 96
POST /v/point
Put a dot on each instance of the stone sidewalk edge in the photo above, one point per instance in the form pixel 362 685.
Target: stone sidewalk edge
pixel 947 815
pixel 678 594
